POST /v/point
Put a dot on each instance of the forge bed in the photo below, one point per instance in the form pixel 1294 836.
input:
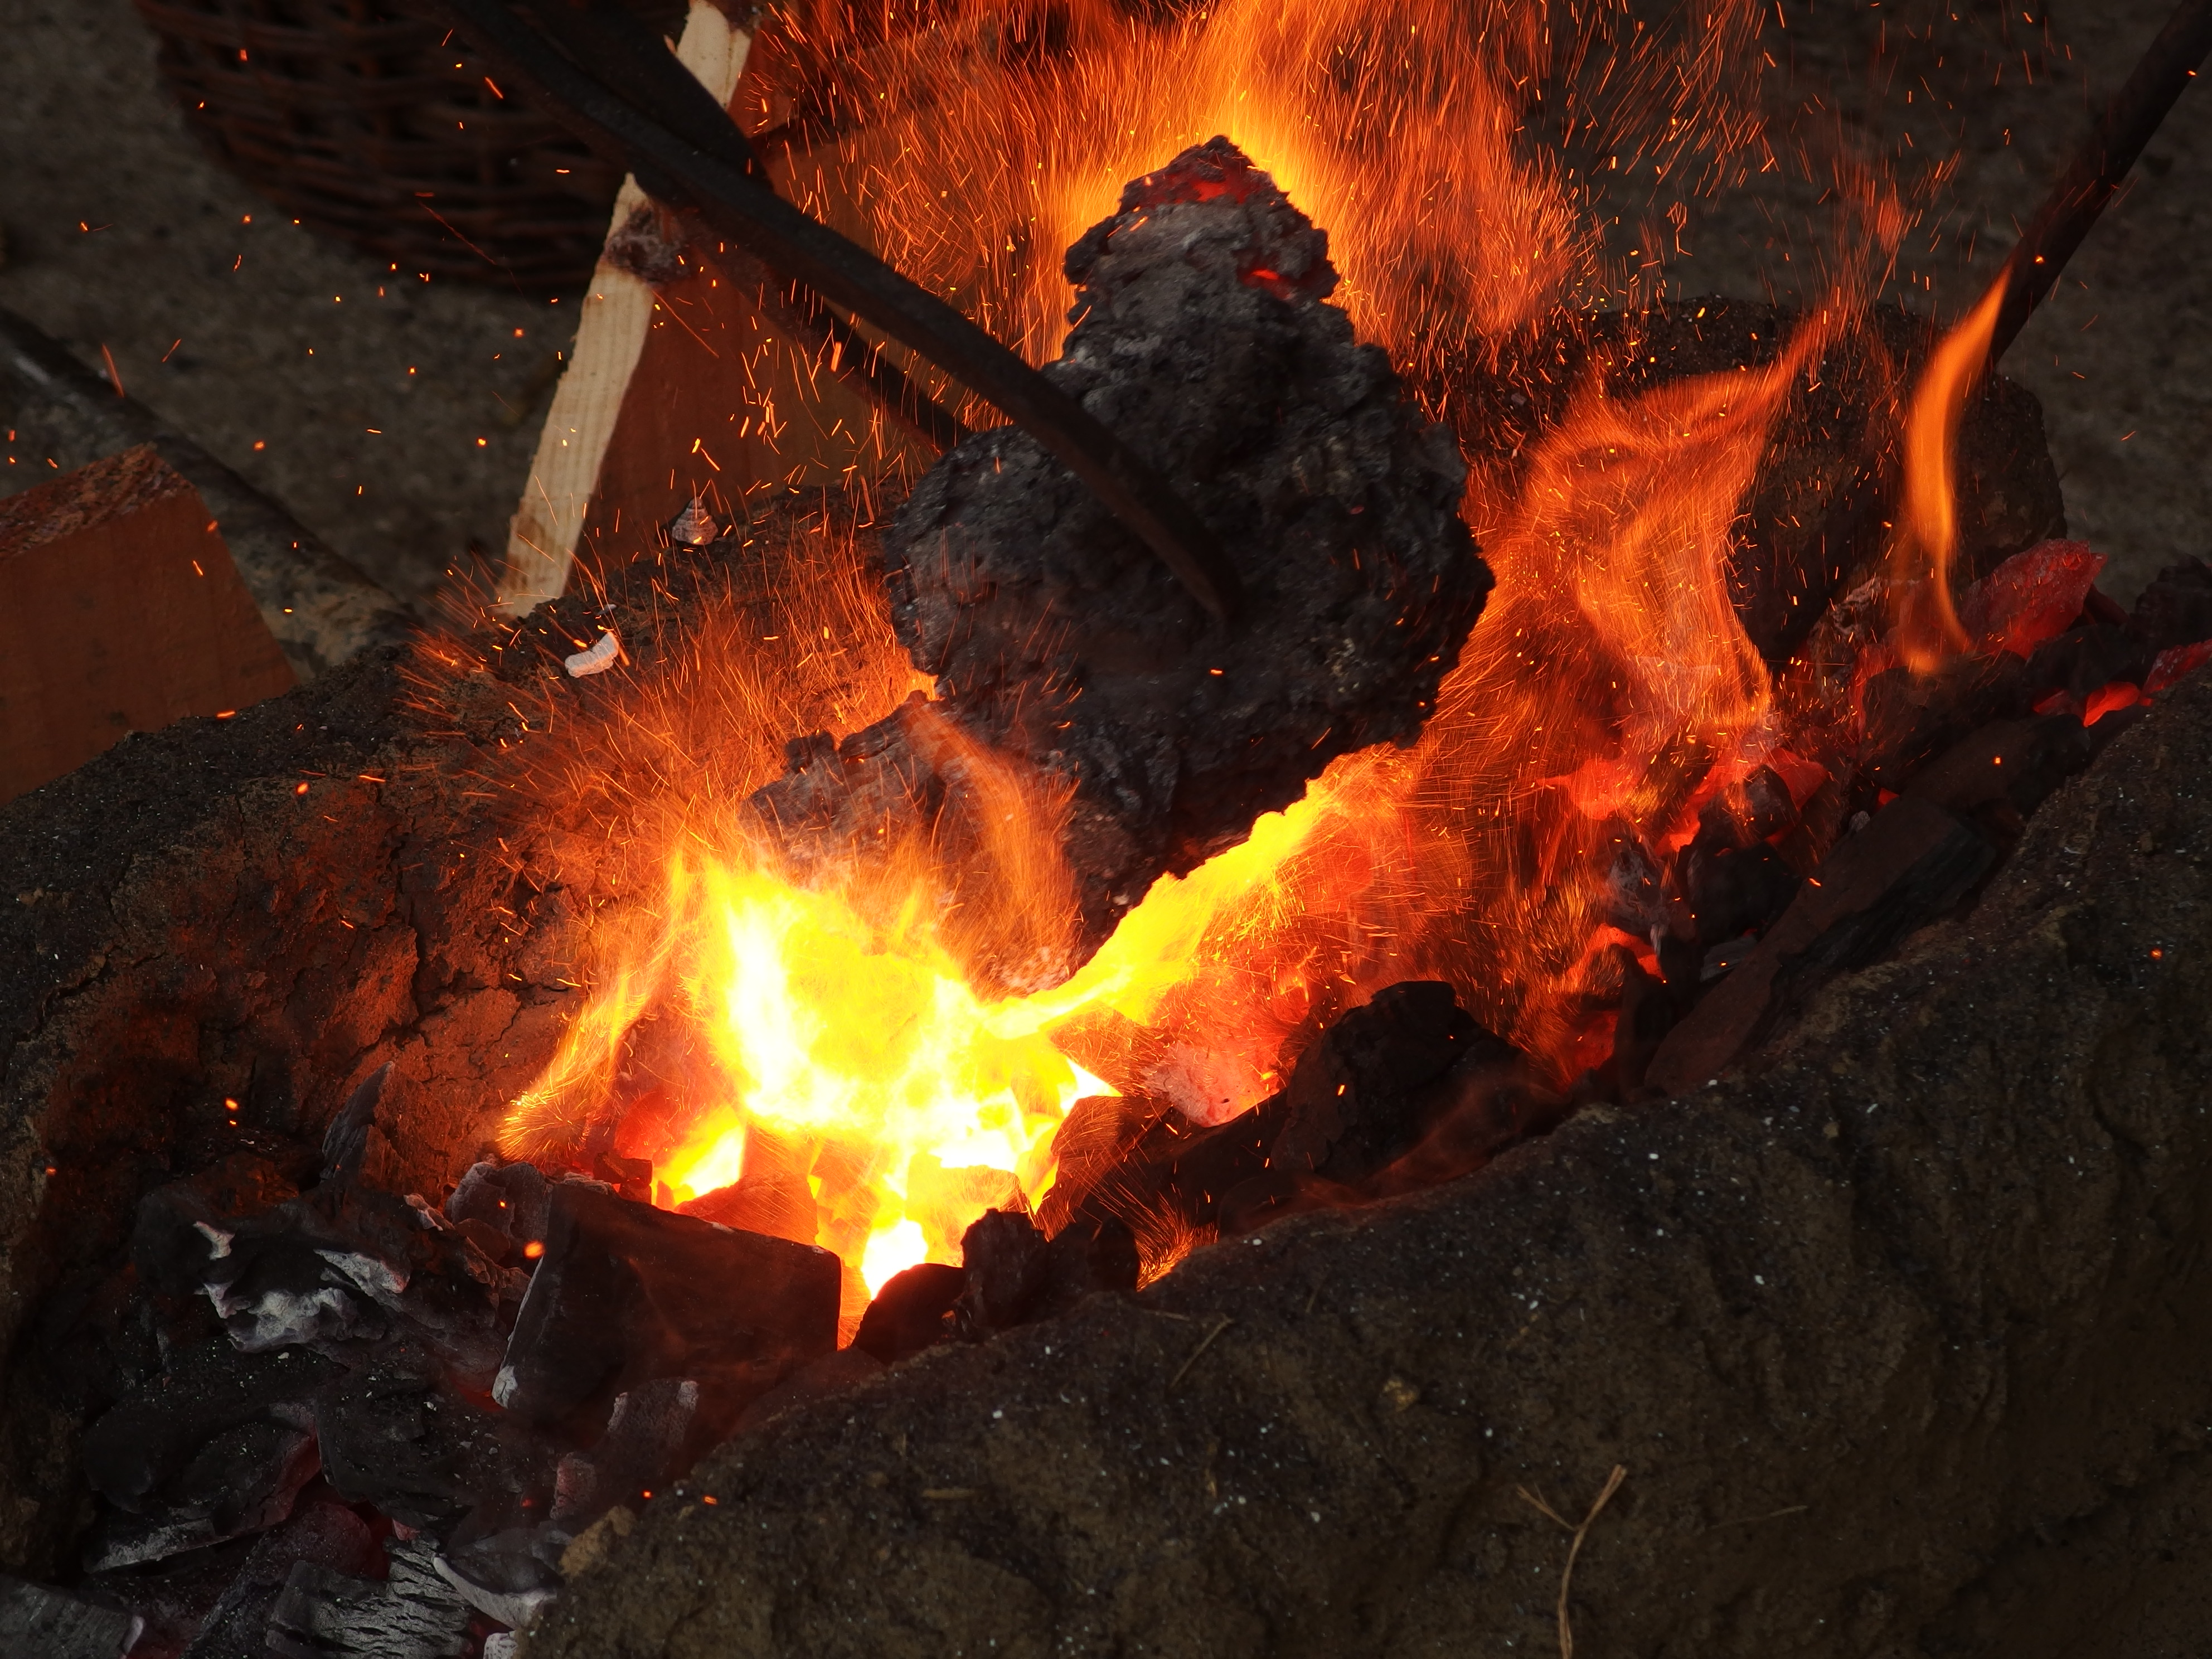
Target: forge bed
pixel 1897 1339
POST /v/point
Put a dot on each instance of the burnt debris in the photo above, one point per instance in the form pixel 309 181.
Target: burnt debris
pixel 1070 665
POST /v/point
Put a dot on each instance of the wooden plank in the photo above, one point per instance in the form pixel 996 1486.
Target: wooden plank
pixel 679 388
pixel 125 612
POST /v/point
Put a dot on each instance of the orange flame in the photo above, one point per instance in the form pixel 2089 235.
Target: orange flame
pixel 1924 626
pixel 822 1045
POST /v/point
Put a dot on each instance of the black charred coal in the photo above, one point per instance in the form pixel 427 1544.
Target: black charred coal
pixel 631 1178
pixel 626 1293
pixel 2176 609
pixel 324 1533
pixel 344 1264
pixel 1061 645
pixel 346 1143
pixel 508 1198
pixel 1728 891
pixel 2082 660
pixel 396 1435
pixel 909 1313
pixel 1912 718
pixel 414 1613
pixel 1911 865
pixel 510 1575
pixel 1002 1261
pixel 1355 1099
pixel 158 1451
pixel 181 1226
pixel 648 1442
pixel 1013 1275
pixel 39 1622
pixel 1090 1255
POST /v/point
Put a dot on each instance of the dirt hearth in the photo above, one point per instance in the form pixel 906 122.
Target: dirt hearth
pixel 1896 1341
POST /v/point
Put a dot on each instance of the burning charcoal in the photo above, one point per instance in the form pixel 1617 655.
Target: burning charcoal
pixel 908 1314
pixel 413 1614
pixel 645 1446
pixel 2003 773
pixel 39 1622
pixel 2176 609
pixel 1098 1133
pixel 1908 867
pixel 1911 718
pixel 394 1435
pixel 631 1178
pixel 1002 1256
pixel 511 1197
pixel 778 1204
pixel 509 1576
pixel 1065 650
pixel 2084 660
pixel 346 1143
pixel 625 1293
pixel 1354 1100
pixel 326 1533
pixel 1727 891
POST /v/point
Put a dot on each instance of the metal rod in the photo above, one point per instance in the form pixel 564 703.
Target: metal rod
pixel 2166 67
pixel 2068 211
pixel 677 155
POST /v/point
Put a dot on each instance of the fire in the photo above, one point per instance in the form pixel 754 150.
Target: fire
pixel 819 1049
pixel 1925 626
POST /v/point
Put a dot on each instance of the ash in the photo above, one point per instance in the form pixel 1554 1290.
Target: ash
pixel 1060 644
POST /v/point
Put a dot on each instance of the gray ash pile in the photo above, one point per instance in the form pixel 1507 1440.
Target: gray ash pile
pixel 1067 658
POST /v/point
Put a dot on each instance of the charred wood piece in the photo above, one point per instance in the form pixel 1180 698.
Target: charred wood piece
pixel 648 1442
pixel 509 1576
pixel 412 1614
pixel 2176 608
pixel 1912 863
pixel 910 1312
pixel 39 1622
pixel 218 1446
pixel 626 1293
pixel 510 1199
pixel 1059 650
pixel 1012 1274
pixel 325 1534
pixel 396 1437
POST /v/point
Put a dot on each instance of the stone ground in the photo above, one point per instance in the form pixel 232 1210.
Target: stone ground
pixel 397 418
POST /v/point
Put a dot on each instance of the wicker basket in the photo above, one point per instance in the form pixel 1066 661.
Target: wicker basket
pixel 360 119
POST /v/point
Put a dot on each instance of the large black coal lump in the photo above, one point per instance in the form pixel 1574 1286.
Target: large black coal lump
pixel 396 1436
pixel 213 1409
pixel 39 1622
pixel 1065 649
pixel 626 1293
pixel 1355 1098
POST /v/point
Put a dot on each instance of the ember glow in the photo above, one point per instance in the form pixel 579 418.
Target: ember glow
pixel 824 1046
